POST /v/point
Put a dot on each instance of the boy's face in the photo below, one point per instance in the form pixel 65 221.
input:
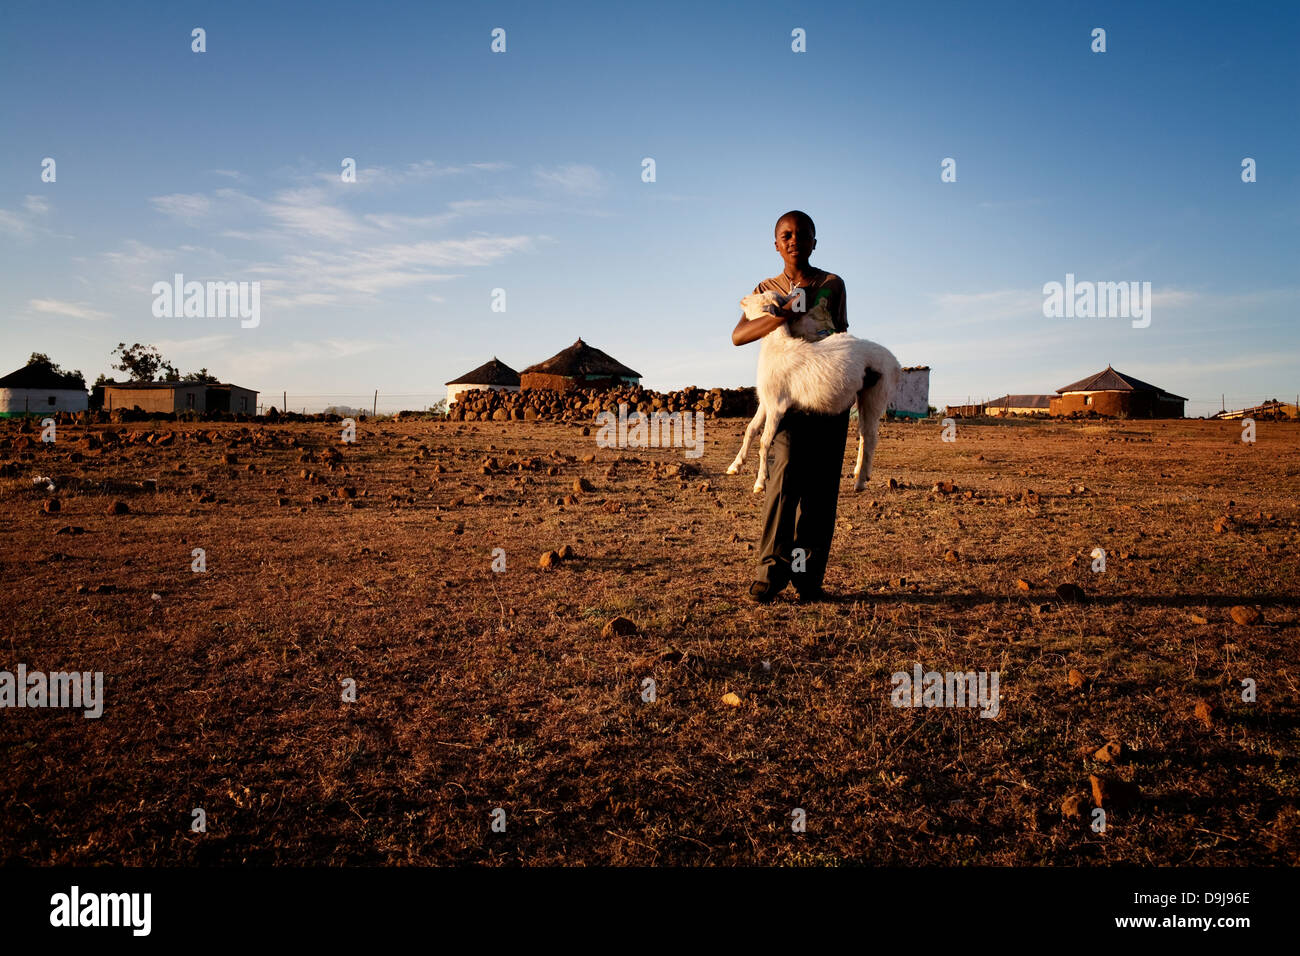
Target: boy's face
pixel 795 241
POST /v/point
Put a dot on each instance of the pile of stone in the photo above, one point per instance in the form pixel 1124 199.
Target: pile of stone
pixel 531 404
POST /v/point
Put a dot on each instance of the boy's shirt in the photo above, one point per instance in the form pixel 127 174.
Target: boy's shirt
pixel 823 299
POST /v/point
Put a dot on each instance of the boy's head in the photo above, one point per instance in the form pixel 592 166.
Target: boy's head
pixel 796 238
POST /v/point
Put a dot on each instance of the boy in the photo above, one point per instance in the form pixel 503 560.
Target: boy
pixel 803 483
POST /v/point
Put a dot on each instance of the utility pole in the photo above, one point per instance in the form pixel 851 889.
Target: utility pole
pixel 375 410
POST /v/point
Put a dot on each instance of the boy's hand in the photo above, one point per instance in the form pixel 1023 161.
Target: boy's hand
pixel 788 310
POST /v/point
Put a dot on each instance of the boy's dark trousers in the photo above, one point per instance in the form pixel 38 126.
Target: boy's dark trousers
pixel 803 487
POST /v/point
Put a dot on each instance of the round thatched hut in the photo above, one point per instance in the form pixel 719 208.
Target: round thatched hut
pixel 579 366
pixel 493 376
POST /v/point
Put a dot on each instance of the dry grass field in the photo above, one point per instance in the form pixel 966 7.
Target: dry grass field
pixel 479 689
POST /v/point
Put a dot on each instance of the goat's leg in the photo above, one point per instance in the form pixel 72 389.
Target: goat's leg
pixel 871 405
pixel 751 430
pixel 858 482
pixel 769 432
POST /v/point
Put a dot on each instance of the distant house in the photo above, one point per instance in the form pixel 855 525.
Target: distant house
pixel 1270 409
pixel 1114 394
pixel 495 376
pixel 578 366
pixel 1020 405
pixel 39 390
pixel 170 397
pixel 911 399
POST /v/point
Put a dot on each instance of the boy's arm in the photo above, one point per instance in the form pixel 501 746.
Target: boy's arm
pixel 751 330
pixel 842 320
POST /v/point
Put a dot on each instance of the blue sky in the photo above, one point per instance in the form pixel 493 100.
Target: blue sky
pixel 522 171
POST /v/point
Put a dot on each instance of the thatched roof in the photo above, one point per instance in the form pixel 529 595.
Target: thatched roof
pixel 1109 380
pixel 580 360
pixel 42 377
pixel 494 372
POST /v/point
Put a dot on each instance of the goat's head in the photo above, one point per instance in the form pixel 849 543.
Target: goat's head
pixel 760 304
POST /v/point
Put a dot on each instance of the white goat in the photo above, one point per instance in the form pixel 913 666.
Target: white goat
pixel 823 376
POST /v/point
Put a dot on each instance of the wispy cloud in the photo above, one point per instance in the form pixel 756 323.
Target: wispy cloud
pixel 202 345
pixel 73 310
pixel 187 207
pixel 389 176
pixel 26 222
pixel 303 353
pixel 372 270
pixel 307 212
pixel 575 179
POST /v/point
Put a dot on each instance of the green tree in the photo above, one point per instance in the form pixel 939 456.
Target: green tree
pixel 143 363
pixel 41 360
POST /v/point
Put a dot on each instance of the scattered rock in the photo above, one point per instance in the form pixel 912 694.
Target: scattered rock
pixel 731 699
pixel 618 627
pixel 51 506
pixel 1204 713
pixel 1075 678
pixel 1023 585
pixel 117 508
pixel 1112 792
pixel 1072 593
pixel 71 529
pixel 567 553
pixel 1246 616
pixel 1075 806
pixel 549 560
pixel 582 484
pixel 1198 619
pixel 1113 752
pixel 951 556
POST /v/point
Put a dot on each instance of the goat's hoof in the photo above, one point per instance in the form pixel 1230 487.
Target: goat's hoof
pixel 758 489
pixel 733 469
pixel 859 485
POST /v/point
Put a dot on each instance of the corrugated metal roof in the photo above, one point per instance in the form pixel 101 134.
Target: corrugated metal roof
pixel 1022 401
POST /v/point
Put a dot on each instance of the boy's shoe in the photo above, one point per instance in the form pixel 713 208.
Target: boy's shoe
pixel 763 592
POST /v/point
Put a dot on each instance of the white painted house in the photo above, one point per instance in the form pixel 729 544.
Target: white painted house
pixel 39 390
pixel 494 376
pixel 912 397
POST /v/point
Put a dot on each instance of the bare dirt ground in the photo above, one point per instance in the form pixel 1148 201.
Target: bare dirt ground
pixel 479 689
